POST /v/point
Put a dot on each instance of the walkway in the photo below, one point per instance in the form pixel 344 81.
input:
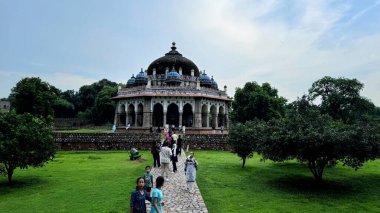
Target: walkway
pixel 176 197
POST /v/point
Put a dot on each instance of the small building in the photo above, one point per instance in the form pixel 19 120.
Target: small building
pixel 174 92
pixel 5 106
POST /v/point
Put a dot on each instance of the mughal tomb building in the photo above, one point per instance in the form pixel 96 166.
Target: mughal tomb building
pixel 172 91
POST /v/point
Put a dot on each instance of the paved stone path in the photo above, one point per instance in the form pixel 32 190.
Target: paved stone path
pixel 176 197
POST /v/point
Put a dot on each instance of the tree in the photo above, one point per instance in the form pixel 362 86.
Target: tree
pixel 340 98
pixel 34 96
pixel 243 138
pixel 317 140
pixel 104 109
pixel 25 140
pixel 255 101
pixel 63 108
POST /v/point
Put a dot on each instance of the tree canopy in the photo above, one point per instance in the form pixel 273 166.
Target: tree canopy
pixel 317 140
pixel 255 101
pixel 25 140
pixel 340 98
pixel 34 96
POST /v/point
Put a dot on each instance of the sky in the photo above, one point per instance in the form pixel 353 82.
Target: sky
pixel 287 43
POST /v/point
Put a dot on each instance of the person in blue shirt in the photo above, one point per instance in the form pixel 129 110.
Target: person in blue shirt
pixel 157 196
pixel 138 197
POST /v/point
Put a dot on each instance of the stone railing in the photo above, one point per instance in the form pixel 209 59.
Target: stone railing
pixel 123 141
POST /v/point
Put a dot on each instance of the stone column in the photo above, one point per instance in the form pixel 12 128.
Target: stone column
pixel 197 114
pixel 147 113
pixel 180 118
pixel 164 118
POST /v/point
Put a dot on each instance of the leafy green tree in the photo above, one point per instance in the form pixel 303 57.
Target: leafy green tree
pixel 25 140
pixel 63 108
pixel 317 140
pixel 255 101
pixel 243 138
pixel 34 96
pixel 104 109
pixel 340 98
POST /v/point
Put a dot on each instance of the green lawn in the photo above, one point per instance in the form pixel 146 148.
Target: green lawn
pixel 74 182
pixel 102 182
pixel 284 187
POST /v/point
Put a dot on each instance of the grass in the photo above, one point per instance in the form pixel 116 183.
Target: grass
pixel 74 182
pixel 284 187
pixel 103 181
pixel 86 131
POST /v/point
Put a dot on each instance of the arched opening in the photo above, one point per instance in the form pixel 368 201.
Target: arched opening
pixel 140 115
pixel 221 117
pixel 122 115
pixel 187 116
pixel 172 116
pixel 213 116
pixel 131 115
pixel 204 115
pixel 158 115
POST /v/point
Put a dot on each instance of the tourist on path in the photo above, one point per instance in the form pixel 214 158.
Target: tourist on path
pixel 157 196
pixel 148 178
pixel 138 197
pixel 191 166
pixel 155 150
pixel 179 145
pixel 166 152
pixel 174 157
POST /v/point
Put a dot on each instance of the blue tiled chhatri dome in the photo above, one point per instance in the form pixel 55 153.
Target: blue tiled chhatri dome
pixel 172 91
pixel 141 78
pixel 131 82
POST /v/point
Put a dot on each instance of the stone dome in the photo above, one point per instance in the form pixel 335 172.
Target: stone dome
pixel 173 58
pixel 213 83
pixel 173 77
pixel 131 81
pixel 205 80
pixel 141 78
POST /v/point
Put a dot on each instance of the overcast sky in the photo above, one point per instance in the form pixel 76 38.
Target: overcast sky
pixel 287 43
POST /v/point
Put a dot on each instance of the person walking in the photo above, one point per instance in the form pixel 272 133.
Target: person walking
pixel 155 150
pixel 138 197
pixel 157 196
pixel 191 166
pixel 166 152
pixel 179 145
pixel 148 179
pixel 174 157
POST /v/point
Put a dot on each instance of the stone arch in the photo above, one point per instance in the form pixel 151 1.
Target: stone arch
pixel 131 115
pixel 213 116
pixel 221 116
pixel 172 115
pixel 140 114
pixel 158 115
pixel 122 115
pixel 187 116
pixel 204 116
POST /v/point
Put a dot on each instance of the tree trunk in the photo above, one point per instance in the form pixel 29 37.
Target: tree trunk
pixel 9 173
pixel 243 162
pixel 317 167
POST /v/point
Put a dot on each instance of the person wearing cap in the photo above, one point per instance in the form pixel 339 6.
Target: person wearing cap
pixel 191 166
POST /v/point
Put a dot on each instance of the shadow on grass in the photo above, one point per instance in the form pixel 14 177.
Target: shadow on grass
pixel 20 183
pixel 306 185
pixel 334 185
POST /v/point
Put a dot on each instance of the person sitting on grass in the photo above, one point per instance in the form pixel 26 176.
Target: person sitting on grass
pixel 157 196
pixel 138 197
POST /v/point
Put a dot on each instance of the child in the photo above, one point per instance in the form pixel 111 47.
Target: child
pixel 148 178
pixel 138 197
pixel 157 196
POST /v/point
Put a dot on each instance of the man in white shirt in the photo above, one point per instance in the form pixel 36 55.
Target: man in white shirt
pixel 166 152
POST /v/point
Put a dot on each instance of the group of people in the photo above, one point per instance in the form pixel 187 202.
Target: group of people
pixel 162 155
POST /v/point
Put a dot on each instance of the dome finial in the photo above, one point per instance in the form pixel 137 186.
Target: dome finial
pixel 173 47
